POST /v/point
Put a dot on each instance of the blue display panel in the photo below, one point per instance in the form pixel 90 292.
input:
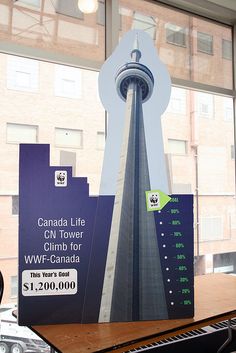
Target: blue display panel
pixel 56 222
pixel 63 245
pixel 174 224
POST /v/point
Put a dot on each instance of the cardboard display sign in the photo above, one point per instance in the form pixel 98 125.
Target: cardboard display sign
pixel 126 254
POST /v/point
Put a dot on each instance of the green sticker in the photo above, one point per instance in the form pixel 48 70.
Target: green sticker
pixel 156 200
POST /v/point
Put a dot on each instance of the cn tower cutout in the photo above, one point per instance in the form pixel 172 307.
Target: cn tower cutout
pixel 133 286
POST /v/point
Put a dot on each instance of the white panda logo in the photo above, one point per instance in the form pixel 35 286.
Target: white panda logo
pixel 154 200
pixel 61 178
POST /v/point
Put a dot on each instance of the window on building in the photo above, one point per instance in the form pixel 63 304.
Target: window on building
pixel 67 81
pixel 100 140
pixel 101 13
pixel 4 14
pixel 22 74
pixel 68 8
pixel 232 152
pixel 21 133
pixel 144 22
pixel 68 138
pixel 35 3
pixel 224 262
pixel 232 219
pixel 175 34
pixel 15 205
pixel 205 105
pixel 177 146
pixel 177 102
pixel 228 109
pixel 211 228
pixel 227 49
pixel 204 43
pixel 14 286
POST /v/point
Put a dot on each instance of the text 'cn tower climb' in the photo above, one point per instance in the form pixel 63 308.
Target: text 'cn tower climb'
pixel 133 285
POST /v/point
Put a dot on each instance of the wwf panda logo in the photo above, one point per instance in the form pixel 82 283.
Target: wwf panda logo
pixel 61 178
pixel 154 199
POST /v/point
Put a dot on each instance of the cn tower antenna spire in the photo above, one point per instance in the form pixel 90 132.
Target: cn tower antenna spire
pixel 136 53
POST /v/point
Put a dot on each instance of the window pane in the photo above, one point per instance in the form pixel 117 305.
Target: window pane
pixel 211 228
pixel 67 81
pixel 224 262
pixel 232 152
pixel 227 49
pixel 100 140
pixel 31 2
pixel 204 43
pixel 207 170
pixel 175 34
pixel 69 138
pixel 22 74
pixel 56 27
pixel 177 102
pixel 19 133
pixel 62 7
pixel 228 109
pixel 4 14
pixel 177 146
pixel 14 284
pixel 101 12
pixel 183 40
pixel 205 105
pixel 15 205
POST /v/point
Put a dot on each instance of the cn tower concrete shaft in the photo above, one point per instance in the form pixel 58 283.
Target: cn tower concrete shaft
pixel 133 286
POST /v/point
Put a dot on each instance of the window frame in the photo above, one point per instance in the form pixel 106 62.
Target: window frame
pixel 178 94
pixel 174 33
pixel 14 286
pixel 98 147
pixel 15 205
pixel 67 74
pixel 224 54
pixel 62 145
pixel 23 66
pixel 202 50
pixel 173 153
pixel 201 98
pixel 211 218
pixel 15 142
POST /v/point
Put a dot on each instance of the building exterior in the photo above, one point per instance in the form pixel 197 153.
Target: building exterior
pixel 47 102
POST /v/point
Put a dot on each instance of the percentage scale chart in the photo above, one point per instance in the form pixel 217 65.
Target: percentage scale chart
pixel 174 224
